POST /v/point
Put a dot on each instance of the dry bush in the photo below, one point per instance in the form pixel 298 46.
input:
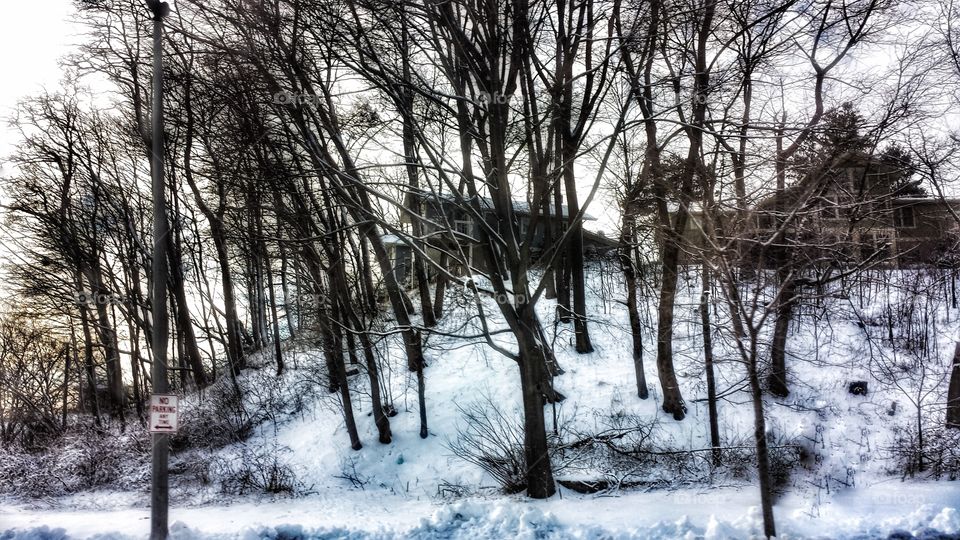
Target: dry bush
pixel 80 461
pixel 257 470
pixel 493 441
pixel 936 455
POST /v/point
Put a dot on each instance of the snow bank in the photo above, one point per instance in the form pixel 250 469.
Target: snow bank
pixel 719 514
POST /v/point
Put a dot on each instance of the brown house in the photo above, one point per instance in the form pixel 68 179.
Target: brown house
pixel 453 235
pixel 923 230
pixel 861 211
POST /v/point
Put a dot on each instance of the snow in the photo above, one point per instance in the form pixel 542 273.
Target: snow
pixel 727 513
pixel 850 489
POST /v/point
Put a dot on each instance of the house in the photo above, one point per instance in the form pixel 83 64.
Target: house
pixel 864 210
pixel 924 230
pixel 452 234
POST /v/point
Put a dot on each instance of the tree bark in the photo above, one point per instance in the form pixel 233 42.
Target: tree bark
pixel 66 384
pixel 88 364
pixel 672 398
pixel 540 483
pixel 628 239
pixel 285 288
pixel 109 343
pixel 333 349
pixel 953 392
pixel 760 439
pixel 708 363
pixel 235 356
pixel 184 319
pixel 413 180
pixel 575 246
pixel 277 350
pixel 777 380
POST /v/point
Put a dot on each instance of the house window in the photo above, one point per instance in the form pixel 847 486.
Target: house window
pixel 463 226
pixel 765 221
pixel 462 267
pixel 904 218
pixel 877 246
pixel 832 206
pixel 524 224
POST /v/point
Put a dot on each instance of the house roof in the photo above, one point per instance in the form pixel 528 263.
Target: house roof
pixel 391 240
pixel 520 207
pixel 926 200
pixel 523 207
pixel 598 237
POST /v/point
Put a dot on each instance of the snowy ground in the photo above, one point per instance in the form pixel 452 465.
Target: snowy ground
pixel 923 510
pixel 850 487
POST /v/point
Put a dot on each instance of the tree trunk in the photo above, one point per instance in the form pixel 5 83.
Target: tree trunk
pixel 285 288
pixel 373 373
pixel 539 473
pixel 333 349
pixel 253 298
pixel 235 355
pixel 183 318
pixel 953 393
pixel 672 399
pixel 66 384
pixel 575 245
pixel 628 239
pixel 369 296
pixel 777 380
pixel 135 370
pixel 110 345
pixel 413 178
pixel 379 418
pixel 673 239
pixel 561 269
pixel 411 336
pixel 271 292
pixel 578 283
pixel 441 289
pixel 708 363
pixel 88 364
pixel 760 439
pixel 278 352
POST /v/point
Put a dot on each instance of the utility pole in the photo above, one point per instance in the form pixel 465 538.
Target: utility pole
pixel 160 486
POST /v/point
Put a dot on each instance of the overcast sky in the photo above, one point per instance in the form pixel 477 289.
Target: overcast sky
pixel 34 34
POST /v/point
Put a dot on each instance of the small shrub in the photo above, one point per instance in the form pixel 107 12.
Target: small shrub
pixel 221 419
pixel 784 455
pixel 938 456
pixel 494 442
pixel 349 472
pixel 196 465
pixel 739 458
pixel 30 475
pixel 448 490
pixel 257 471
pixel 93 461
pixel 80 461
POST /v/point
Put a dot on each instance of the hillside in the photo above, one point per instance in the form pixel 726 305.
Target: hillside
pixel 843 462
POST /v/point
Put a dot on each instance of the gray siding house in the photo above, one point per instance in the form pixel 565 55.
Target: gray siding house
pixel 452 235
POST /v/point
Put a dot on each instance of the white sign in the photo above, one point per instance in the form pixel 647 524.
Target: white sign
pixel 163 413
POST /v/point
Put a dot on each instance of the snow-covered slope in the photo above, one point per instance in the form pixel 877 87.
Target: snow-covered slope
pixel 847 481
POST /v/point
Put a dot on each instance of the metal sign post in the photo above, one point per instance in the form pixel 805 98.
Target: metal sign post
pixel 159 487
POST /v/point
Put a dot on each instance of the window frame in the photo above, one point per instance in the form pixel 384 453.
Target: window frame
pixel 463 226
pixel 898 215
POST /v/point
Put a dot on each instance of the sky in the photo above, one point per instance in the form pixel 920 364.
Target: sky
pixel 33 36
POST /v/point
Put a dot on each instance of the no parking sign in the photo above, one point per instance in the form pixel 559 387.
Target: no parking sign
pixel 163 413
